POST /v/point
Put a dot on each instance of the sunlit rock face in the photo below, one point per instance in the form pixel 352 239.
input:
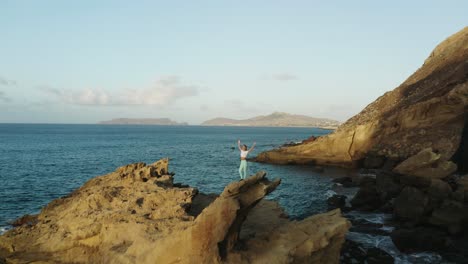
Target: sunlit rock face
pixel 136 214
pixel 428 110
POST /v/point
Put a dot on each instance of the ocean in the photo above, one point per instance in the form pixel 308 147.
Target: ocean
pixel 42 162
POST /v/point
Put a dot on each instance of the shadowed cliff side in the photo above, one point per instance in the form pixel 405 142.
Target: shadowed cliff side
pixel 428 110
pixel 138 215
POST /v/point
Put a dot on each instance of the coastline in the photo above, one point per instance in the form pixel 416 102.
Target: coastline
pixel 169 222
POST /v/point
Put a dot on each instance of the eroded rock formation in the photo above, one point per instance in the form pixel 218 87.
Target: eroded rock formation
pixel 137 215
pixel 428 110
pixel 439 207
pixel 426 163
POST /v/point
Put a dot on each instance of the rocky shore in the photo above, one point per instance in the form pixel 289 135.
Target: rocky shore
pixel 428 202
pixel 138 215
pixel 412 143
pixel 428 110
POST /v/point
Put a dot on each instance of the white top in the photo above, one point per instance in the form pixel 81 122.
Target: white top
pixel 244 153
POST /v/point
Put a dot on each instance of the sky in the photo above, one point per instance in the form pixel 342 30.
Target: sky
pixel 88 61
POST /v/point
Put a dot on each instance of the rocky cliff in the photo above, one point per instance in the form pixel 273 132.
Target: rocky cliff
pixel 428 110
pixel 138 215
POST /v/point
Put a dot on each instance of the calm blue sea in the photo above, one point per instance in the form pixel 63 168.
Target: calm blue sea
pixel 41 162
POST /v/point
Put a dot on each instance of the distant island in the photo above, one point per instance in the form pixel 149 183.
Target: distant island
pixel 276 119
pixel 143 121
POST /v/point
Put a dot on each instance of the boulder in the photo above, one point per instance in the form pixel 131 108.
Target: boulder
pixel 428 164
pixel 420 239
pixel 411 205
pixel 316 239
pixel 365 181
pixel 388 206
pixel 439 190
pixel 422 159
pixel 415 181
pixel 390 164
pixel 387 185
pixel 336 201
pixel 134 215
pixel 366 199
pixel 451 215
pixel 458 195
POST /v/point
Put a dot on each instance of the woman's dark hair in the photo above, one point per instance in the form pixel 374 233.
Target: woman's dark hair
pixel 245 146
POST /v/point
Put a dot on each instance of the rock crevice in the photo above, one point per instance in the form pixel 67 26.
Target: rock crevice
pixel 461 155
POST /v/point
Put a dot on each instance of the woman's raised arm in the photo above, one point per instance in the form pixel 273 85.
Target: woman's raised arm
pixel 253 146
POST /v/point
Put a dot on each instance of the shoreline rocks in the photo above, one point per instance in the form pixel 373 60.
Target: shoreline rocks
pixel 353 253
pixel 138 215
pixel 414 138
pixel 429 214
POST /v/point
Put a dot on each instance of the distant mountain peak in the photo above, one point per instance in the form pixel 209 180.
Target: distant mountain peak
pixel 142 121
pixel 276 119
pixel 279 114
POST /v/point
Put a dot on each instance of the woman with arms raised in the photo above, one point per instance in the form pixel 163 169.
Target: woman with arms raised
pixel 243 156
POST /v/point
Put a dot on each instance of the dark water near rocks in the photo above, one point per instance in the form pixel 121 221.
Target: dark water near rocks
pixel 41 162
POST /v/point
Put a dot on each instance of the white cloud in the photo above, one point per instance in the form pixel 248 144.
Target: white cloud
pixel 281 77
pixel 3 97
pixel 239 106
pixel 205 108
pixel 6 82
pixel 165 91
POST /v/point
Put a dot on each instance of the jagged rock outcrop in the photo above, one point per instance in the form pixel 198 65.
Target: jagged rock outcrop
pixel 428 213
pixel 427 164
pixel 428 110
pixel 138 215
